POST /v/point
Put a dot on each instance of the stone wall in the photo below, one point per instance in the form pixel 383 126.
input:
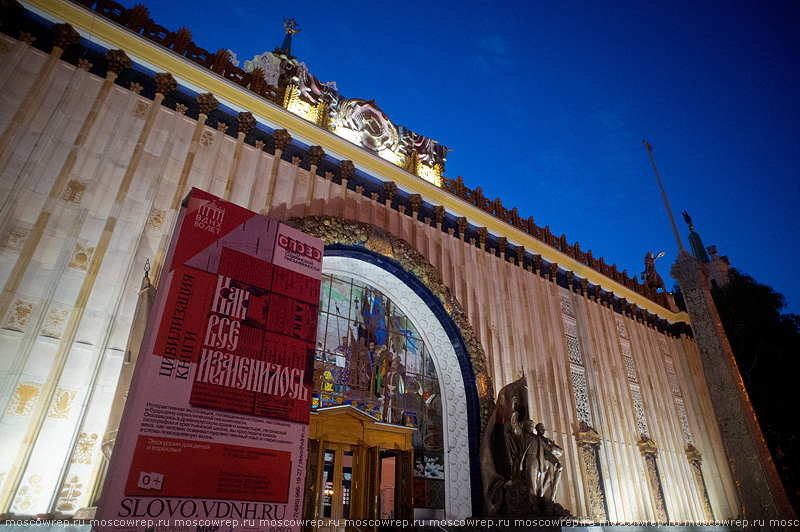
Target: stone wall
pixel 94 173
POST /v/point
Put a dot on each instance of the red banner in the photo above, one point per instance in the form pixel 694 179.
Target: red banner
pixel 220 399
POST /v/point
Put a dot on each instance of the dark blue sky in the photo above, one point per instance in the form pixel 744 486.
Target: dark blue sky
pixel 545 105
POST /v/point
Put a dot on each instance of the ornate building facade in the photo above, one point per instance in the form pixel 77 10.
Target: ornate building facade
pixel 434 297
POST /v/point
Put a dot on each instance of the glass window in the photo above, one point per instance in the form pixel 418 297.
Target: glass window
pixel 370 355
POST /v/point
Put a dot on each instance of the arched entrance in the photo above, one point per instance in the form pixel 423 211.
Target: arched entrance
pixel 392 265
pixel 361 266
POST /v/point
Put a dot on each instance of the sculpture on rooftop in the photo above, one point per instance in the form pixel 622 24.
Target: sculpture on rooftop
pixel 688 220
pixel 520 466
pixel 650 275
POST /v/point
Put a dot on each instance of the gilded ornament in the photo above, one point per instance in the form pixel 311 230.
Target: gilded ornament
pixel 62 403
pixel 416 202
pixel 140 110
pixel 18 316
pixel 553 271
pixel 462 224
pixel 316 155
pixel 483 234
pixel 155 219
pixel 520 251
pixel 28 494
pixel 502 244
pixel 81 256
pixel 439 212
pixel 206 139
pixel 24 399
pixel 26 37
pixel 389 190
pixel 84 448
pixel 68 497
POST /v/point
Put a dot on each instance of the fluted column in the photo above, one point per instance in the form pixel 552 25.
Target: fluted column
pixel 207 103
pixel 117 61
pixel 63 36
pixel 70 331
pixel 246 123
pixel 348 169
pixel 315 155
pixel 282 139
pixel 389 192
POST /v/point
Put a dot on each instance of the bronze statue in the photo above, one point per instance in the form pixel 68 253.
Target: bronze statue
pixel 688 220
pixel 650 275
pixel 520 466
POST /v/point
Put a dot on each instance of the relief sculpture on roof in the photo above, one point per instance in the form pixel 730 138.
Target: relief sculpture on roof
pixel 359 121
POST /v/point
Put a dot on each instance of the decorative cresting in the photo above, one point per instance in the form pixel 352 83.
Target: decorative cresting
pixel 696 462
pixel 649 451
pixel 589 443
pixel 526 225
pixel 337 230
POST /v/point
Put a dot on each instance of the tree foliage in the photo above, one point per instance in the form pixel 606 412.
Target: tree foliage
pixel 766 345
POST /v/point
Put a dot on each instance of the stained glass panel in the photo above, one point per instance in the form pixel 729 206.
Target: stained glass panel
pixel 369 354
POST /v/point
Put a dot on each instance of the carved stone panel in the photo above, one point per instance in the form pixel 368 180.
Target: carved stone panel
pixel 18 315
pixel 81 256
pixel 581 394
pixel 684 420
pixel 590 456
pixel 24 399
pixel 155 220
pixel 73 192
pixel 654 479
pixel 641 421
pixel 62 403
pixel 54 323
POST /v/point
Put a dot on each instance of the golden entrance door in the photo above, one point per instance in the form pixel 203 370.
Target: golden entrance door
pixel 359 470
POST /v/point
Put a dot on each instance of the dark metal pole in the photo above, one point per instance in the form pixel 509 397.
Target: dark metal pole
pixel 664 196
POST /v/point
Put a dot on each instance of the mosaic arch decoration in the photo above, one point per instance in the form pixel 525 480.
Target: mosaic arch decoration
pixel 367 254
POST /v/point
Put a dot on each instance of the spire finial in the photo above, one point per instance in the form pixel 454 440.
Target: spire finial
pixel 147 268
pixel 292 27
